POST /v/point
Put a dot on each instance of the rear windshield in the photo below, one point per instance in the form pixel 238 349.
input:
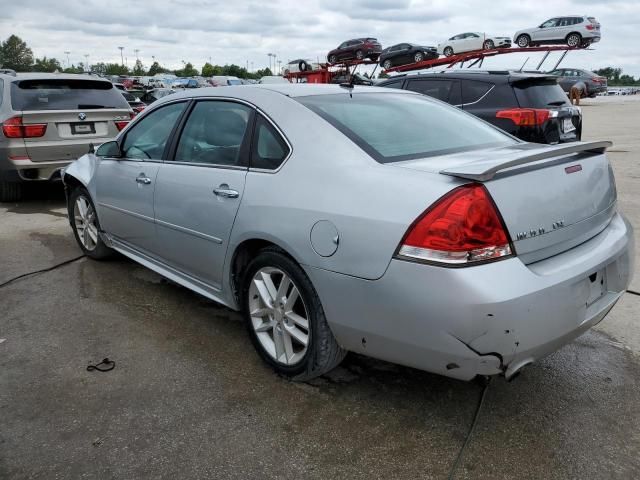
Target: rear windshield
pixel 393 127
pixel 63 94
pixel 540 95
pixel 235 82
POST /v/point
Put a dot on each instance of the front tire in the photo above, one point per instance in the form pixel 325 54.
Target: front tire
pixel 418 57
pixel 448 51
pixel 574 40
pixel 85 225
pixel 359 55
pixel 10 191
pixel 285 319
pixel 332 59
pixel 387 64
pixel 523 41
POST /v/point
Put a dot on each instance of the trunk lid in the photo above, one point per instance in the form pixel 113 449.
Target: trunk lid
pixel 551 198
pixel 69 133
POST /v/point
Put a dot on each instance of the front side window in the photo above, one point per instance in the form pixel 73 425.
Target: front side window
pixel 214 134
pixel 148 138
pixel 269 149
pixel 392 127
pixel 549 23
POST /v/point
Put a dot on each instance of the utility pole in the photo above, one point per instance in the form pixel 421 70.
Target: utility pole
pixel 136 52
pixel 270 55
pixel 68 62
pixel 279 67
pixel 86 62
pixel 121 56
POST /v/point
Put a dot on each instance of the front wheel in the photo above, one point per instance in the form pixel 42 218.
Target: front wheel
pixel 285 319
pixel 523 41
pixel 360 55
pixel 332 59
pixel 85 225
pixel 418 57
pixel 448 52
pixel 574 40
pixel 387 64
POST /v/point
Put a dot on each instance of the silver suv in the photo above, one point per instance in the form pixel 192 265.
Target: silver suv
pixel 575 31
pixel 48 120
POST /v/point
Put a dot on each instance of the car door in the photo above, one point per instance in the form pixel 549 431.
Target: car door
pixel 546 31
pixel 473 41
pixel 125 186
pixel 563 27
pixel 199 189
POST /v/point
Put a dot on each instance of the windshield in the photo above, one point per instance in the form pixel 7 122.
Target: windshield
pixel 392 126
pixel 235 82
pixel 62 94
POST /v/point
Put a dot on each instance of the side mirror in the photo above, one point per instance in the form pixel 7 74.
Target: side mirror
pixel 109 149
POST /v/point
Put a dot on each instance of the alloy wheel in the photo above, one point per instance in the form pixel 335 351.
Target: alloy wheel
pixel 573 40
pixel 84 217
pixel 418 57
pixel 279 315
pixel 523 41
pixel 387 64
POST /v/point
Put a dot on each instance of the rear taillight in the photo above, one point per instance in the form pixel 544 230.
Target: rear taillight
pixel 461 228
pixel 525 116
pixel 121 124
pixel 599 79
pixel 589 26
pixel 14 128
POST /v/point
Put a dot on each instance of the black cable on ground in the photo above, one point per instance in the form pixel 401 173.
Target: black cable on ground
pixel 35 272
pixel 467 440
pixel 633 292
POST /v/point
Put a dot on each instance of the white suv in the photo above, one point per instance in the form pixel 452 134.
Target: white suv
pixel 575 31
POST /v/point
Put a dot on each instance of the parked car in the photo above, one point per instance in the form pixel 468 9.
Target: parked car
pixel 48 120
pixel 185 83
pixel 120 87
pixel 224 80
pixel 470 41
pixel 356 49
pixel 355 79
pixel 404 53
pixel 575 31
pixel 271 79
pixel 134 102
pixel 531 106
pixel 156 94
pixel 444 244
pixel 569 76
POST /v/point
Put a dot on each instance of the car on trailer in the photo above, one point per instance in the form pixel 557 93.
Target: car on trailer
pixel 406 53
pixel 356 49
pixel 575 31
pixel 470 41
pixel 530 106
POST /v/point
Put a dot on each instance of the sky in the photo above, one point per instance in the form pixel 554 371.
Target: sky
pixel 244 32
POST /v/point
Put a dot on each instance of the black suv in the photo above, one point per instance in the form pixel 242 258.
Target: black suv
pixel 531 106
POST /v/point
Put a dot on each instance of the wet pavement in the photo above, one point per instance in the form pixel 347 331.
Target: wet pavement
pixel 189 397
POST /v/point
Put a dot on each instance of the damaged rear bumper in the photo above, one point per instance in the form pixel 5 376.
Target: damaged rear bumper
pixel 484 320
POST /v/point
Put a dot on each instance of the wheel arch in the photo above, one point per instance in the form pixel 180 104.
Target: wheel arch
pixel 573 33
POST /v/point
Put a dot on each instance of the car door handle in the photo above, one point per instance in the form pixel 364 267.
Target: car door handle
pixel 225 192
pixel 143 179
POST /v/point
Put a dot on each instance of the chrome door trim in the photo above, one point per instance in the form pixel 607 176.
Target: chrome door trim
pixel 188 231
pixel 128 212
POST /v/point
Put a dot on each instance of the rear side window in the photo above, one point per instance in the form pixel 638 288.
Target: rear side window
pixel 269 149
pixel 63 94
pixel 472 91
pixel 445 90
pixel 396 84
pixel 540 95
pixel 393 127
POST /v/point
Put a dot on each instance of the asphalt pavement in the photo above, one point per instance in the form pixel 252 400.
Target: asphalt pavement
pixel 189 397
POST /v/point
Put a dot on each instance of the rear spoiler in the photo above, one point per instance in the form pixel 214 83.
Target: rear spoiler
pixel 486 170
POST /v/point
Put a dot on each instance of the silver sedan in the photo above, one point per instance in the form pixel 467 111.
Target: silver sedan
pixel 362 219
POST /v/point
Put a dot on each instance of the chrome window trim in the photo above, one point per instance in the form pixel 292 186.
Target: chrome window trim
pixel 284 137
pixel 478 100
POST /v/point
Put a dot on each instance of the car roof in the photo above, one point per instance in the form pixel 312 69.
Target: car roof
pixel 494 75
pixel 51 76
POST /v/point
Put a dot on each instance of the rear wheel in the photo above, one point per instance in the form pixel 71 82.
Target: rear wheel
pixel 488 44
pixel 574 40
pixel 360 55
pixel 10 191
pixel 448 52
pixel 523 40
pixel 418 57
pixel 85 225
pixel 332 59
pixel 387 64
pixel 285 318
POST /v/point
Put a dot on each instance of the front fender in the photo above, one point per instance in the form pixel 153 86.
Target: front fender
pixel 83 170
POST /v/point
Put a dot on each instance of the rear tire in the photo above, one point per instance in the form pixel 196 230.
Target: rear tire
pixel 488 45
pixel 574 40
pixel 85 225
pixel 359 55
pixel 321 352
pixel 448 52
pixel 523 40
pixel 332 59
pixel 418 57
pixel 10 191
pixel 387 64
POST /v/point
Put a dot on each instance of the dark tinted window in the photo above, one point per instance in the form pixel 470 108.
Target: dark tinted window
pixel 445 90
pixel 269 149
pixel 394 84
pixel 473 91
pixel 393 127
pixel 214 133
pixel 148 137
pixel 540 95
pixel 1 91
pixel 62 94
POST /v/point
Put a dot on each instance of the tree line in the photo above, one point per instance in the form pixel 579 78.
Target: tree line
pixel 16 55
